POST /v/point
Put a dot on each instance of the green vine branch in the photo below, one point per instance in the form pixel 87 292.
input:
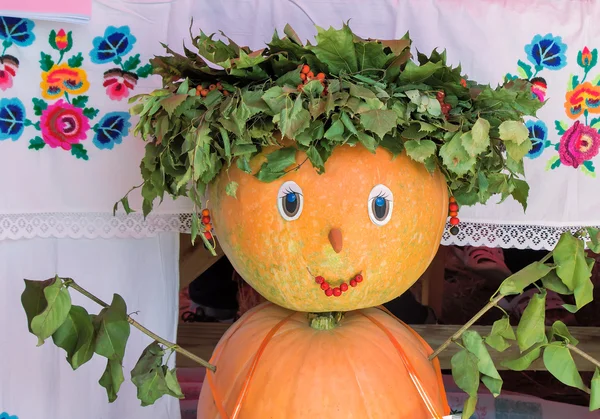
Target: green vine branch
pixel 69 282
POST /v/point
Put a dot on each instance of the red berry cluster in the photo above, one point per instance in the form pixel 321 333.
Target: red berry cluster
pixel 453 213
pixel 446 108
pixel 307 75
pixel 337 291
pixel 203 90
pixel 207 224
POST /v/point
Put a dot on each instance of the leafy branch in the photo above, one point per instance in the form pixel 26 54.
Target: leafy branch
pixel 50 313
pixel 569 273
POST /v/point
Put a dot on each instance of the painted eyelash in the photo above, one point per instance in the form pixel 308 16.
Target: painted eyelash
pixel 289 191
pixel 382 194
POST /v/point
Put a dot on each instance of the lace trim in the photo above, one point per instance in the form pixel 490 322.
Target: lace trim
pixel 105 225
pixel 89 225
pixel 506 235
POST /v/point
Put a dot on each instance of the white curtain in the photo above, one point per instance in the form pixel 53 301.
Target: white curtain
pixel 37 382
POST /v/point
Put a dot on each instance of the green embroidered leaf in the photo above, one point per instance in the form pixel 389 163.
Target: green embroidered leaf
pixel 78 151
pixel 58 305
pixel 455 157
pixel 562 127
pixel 79 101
pixel 52 39
pixel 595 391
pixel 69 42
pixel 531 329
pixel 513 131
pixel 335 48
pixel 144 71
pixel 75 336
pixel 231 189
pixel 33 298
pixel 524 70
pixel 131 63
pixel 559 362
pixel 112 330
pixel 379 121
pixel 39 105
pixel 46 62
pixel 36 144
pixel 76 60
pixel 112 378
pixel 91 112
pixel 420 150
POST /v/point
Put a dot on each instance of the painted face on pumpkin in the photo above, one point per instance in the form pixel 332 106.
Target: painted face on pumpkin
pixel 356 236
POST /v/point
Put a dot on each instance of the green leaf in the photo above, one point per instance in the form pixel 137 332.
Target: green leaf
pixel 112 378
pixel 501 331
pixel 520 192
pixel 52 39
pixel 513 131
pixel 478 139
pixel 562 127
pixel 172 383
pixel 231 189
pixel 79 101
pixel 313 88
pixel 524 70
pixel 594 243
pixel 277 163
pixel 361 92
pixel 46 62
pixel 335 48
pixel 148 375
pixel 554 283
pixel 39 105
pixel 171 103
pixel 469 407
pixel 276 99
pixel 295 120
pixel 367 141
pixel 379 121
pixel 90 112
pixel 75 61
pixel 518 151
pixel 313 133
pixel 315 158
pixel 474 344
pixel 33 298
pixel 58 305
pixel 595 393
pixel 370 55
pixel 465 372
pixel 78 150
pixel 523 362
pixel 560 363
pixel 414 73
pixel 112 330
pixel 531 329
pixel 569 256
pixel 75 336
pixel 562 331
pixel 393 145
pixel 420 150
pixel 455 157
pixel 131 63
pixel 336 131
pixel 144 71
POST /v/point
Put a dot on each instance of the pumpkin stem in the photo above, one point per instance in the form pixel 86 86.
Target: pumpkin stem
pixel 325 321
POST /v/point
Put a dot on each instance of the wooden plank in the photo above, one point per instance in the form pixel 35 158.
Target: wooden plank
pixel 194 259
pixel 201 339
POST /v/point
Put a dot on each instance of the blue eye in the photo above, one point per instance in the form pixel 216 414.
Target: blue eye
pixel 380 201
pixel 380 204
pixel 290 201
pixel 291 197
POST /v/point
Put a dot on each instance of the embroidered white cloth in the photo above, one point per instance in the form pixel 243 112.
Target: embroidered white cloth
pixel 38 382
pixel 46 178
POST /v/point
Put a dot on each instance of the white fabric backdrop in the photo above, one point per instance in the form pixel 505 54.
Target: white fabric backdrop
pixel 37 382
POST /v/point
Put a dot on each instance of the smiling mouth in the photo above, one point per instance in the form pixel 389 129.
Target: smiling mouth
pixel 339 290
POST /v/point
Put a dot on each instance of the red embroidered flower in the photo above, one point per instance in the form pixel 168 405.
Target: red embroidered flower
pixel 118 83
pixel 538 88
pixel 578 144
pixel 63 125
pixel 8 70
pixel 61 40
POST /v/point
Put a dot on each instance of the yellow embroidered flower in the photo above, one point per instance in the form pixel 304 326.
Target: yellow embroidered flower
pixel 63 79
pixel 585 97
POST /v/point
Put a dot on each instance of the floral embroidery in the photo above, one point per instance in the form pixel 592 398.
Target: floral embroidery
pixel 112 48
pixel 111 129
pixel 5 415
pixel 62 79
pixel 580 142
pixel 12 119
pixel 547 52
pixel 538 133
pixel 63 125
pixel 8 70
pixel 13 31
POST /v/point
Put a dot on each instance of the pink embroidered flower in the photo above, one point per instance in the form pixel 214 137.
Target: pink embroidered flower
pixel 578 144
pixel 63 125
pixel 538 88
pixel 118 83
pixel 8 70
pixel 61 40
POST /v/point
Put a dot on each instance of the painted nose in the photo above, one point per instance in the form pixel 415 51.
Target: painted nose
pixel 335 238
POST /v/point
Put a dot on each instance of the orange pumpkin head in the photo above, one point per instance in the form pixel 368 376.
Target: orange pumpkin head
pixel 355 370
pixel 357 236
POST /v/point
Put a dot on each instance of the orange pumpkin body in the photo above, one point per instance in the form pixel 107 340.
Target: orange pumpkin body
pixel 280 258
pixel 352 371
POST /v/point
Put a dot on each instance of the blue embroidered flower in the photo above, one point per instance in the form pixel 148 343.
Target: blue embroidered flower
pixel 111 129
pixel 547 52
pixel 16 30
pixel 538 134
pixel 12 120
pixel 5 415
pixel 115 43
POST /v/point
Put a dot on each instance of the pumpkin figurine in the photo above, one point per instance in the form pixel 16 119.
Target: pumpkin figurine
pixel 330 179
